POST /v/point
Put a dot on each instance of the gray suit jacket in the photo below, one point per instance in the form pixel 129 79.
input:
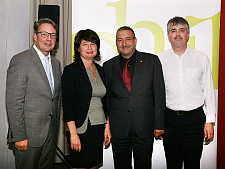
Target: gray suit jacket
pixel 144 104
pixel 29 101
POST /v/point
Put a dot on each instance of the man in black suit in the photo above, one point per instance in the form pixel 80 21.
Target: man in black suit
pixel 137 102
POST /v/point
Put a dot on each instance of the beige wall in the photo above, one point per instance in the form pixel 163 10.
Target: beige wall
pixel 14 33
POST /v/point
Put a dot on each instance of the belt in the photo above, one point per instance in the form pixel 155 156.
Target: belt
pixel 182 112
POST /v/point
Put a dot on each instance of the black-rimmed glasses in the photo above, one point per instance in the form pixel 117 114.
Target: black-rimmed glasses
pixel 45 34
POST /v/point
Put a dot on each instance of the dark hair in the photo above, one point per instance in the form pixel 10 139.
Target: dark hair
pixel 44 20
pixel 177 21
pixel 88 35
pixel 125 28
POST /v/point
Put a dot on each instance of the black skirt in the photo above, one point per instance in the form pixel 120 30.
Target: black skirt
pixel 91 153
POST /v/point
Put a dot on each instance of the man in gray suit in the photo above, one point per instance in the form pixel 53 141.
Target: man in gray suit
pixel 136 100
pixel 33 100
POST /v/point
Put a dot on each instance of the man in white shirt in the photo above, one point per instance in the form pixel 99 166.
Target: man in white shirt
pixel 189 87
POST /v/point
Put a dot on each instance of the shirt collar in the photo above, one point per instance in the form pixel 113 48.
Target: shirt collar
pixel 40 54
pixel 187 52
pixel 132 58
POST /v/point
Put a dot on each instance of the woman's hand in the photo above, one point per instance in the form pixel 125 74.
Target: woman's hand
pixel 75 142
pixel 74 138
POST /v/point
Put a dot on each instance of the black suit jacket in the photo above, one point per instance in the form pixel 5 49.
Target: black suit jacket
pixel 77 92
pixel 144 104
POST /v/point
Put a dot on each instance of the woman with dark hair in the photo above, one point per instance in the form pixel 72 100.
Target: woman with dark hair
pixel 85 103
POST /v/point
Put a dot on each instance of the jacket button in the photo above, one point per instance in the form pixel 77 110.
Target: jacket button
pixel 130 97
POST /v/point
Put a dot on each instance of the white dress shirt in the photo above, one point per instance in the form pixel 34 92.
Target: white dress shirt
pixel 41 56
pixel 188 81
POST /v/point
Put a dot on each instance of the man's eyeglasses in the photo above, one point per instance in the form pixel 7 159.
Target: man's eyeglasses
pixel 45 34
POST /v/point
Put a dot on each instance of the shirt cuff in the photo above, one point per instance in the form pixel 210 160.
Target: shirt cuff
pixel 210 119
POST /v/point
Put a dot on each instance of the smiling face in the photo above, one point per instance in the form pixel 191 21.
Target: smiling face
pixel 88 50
pixel 178 36
pixel 126 43
pixel 45 45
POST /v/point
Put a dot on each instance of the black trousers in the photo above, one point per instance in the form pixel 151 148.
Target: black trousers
pixel 183 139
pixel 141 148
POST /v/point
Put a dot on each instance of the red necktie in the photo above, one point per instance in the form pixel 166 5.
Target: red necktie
pixel 126 75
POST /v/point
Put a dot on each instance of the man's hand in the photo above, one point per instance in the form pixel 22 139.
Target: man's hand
pixel 107 136
pixel 158 133
pixel 22 145
pixel 209 131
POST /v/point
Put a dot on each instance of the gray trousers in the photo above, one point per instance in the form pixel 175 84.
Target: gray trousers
pixel 38 157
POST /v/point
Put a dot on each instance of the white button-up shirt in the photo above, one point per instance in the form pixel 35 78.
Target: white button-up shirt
pixel 188 81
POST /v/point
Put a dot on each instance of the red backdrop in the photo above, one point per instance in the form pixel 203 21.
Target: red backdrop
pixel 221 101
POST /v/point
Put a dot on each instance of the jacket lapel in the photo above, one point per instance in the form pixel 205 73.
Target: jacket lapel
pixel 53 72
pixel 83 71
pixel 138 68
pixel 117 70
pixel 37 62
